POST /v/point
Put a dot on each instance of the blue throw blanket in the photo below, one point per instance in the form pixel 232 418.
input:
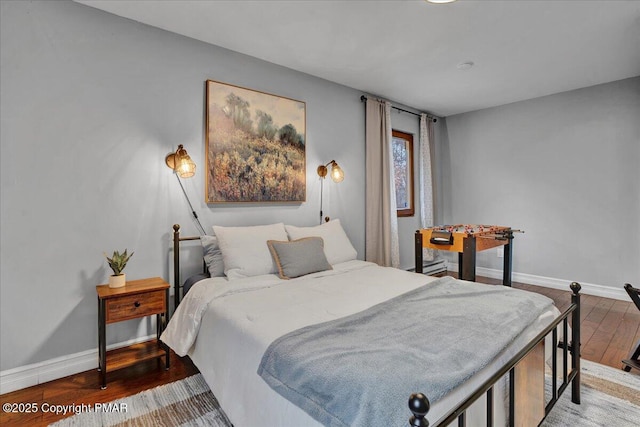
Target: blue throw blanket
pixel 360 370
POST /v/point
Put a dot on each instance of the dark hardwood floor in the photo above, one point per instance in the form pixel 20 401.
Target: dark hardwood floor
pixel 609 330
pixel 84 388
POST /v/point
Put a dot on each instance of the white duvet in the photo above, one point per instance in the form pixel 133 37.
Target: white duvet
pixel 226 326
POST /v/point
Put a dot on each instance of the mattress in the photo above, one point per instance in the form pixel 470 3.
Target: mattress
pixel 226 326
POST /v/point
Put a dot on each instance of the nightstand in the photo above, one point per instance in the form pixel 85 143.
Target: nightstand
pixel 139 298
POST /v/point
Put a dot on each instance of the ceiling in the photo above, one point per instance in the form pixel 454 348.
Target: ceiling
pixel 410 51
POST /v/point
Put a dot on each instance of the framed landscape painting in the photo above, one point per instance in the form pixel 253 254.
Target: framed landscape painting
pixel 255 146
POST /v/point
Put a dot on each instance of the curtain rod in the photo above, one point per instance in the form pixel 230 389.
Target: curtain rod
pixel 364 98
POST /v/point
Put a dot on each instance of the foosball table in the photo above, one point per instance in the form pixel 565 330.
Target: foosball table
pixel 467 240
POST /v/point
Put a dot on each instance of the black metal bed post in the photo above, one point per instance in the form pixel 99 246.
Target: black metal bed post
pixel 419 406
pixel 418 251
pixel 512 396
pixel 575 345
pixel 176 266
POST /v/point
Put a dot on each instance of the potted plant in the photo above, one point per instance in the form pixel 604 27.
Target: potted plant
pixel 118 262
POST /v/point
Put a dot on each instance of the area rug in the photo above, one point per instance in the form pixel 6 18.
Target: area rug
pixel 187 402
pixel 610 397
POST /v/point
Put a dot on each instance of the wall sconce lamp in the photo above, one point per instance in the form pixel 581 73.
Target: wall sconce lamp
pixel 337 175
pixel 181 163
pixel 184 167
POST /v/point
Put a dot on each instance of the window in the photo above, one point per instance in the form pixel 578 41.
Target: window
pixel 403 169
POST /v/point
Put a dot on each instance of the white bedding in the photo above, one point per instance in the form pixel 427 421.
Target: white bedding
pixel 226 326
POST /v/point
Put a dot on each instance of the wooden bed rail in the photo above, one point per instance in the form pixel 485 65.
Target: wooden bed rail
pixel 419 403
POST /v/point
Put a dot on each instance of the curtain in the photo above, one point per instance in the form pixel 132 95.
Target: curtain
pixel 381 221
pixel 426 182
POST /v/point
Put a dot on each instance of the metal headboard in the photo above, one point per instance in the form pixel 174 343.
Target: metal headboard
pixel 176 262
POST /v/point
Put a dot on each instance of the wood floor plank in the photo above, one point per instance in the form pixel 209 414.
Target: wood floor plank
pixel 603 336
pixel 619 347
pixel 587 304
pixel 632 313
pixel 587 329
pixel 600 310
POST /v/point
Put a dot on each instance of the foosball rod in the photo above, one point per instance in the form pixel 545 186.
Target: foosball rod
pixel 498 235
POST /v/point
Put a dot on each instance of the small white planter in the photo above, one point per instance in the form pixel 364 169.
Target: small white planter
pixel 117 281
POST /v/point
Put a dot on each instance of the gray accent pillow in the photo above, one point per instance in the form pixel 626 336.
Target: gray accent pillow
pixel 212 256
pixel 299 257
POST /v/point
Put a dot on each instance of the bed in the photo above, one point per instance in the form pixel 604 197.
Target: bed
pixel 234 325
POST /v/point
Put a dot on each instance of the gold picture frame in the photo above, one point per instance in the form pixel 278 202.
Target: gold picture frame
pixel 255 146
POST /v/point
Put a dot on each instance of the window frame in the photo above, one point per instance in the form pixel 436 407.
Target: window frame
pixel 408 138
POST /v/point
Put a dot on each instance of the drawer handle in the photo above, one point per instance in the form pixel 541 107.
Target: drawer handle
pixel 136 304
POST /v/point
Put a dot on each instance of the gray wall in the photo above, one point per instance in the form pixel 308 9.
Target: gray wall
pixel 91 104
pixel 565 168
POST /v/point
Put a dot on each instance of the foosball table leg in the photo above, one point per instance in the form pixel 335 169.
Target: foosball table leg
pixel 468 259
pixel 506 269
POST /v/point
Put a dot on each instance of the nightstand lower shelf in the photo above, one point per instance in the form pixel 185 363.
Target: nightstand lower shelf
pixel 127 356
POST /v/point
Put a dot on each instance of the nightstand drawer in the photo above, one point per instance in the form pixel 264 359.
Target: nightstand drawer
pixel 133 306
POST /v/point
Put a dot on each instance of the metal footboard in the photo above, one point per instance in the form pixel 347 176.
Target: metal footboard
pixel 419 403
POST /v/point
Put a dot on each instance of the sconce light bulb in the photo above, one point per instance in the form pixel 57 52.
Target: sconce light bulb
pixel 184 166
pixel 337 175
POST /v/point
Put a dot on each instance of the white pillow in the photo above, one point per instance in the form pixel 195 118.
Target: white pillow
pixel 337 246
pixel 245 251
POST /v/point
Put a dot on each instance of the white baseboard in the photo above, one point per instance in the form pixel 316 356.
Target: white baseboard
pixel 53 369
pixel 550 282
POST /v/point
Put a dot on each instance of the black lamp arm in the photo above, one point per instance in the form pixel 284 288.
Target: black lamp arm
pixel 193 211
